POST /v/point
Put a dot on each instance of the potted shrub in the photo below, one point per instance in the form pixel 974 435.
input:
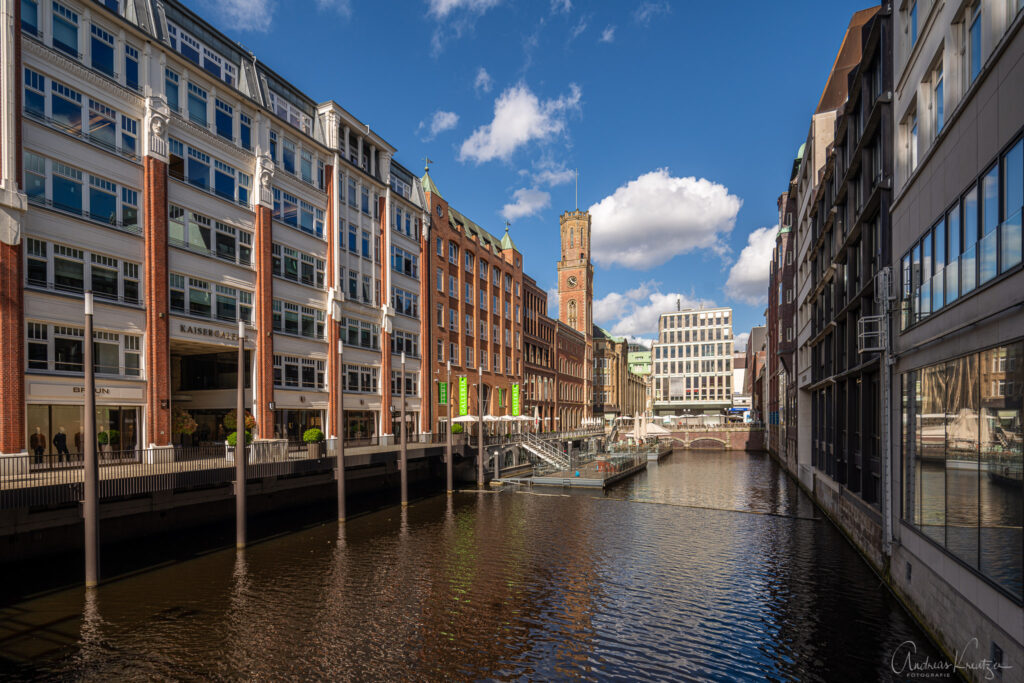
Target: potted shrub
pixel 183 423
pixel 231 421
pixel 314 439
pixel 457 428
pixel 232 441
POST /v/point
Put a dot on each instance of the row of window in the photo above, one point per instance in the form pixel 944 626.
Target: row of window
pixel 680 320
pixel 360 333
pixel 60 268
pixel 61 348
pixel 453 357
pixel 189 47
pixel 693 351
pixel 693 367
pixel 412 383
pixel 453 258
pixel 481 296
pixel 295 373
pixel 405 302
pixel 78 115
pixel 403 221
pixel 293 158
pixel 49 182
pixel 197 105
pixel 67 34
pixel 369 293
pixel 297 266
pixel 298 213
pixel 198 169
pixel 975 240
pixel 203 299
pixel 405 262
pixel 359 197
pixel 189 230
pixel 453 325
pixel 301 321
pixel 361 243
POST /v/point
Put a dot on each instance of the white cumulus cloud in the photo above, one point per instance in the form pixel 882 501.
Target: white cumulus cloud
pixel 561 5
pixel 551 172
pixel 739 342
pixel 608 34
pixel 439 123
pixel 527 202
pixel 641 315
pixel 553 303
pixel 652 219
pixel 748 278
pixel 519 117
pixel 483 82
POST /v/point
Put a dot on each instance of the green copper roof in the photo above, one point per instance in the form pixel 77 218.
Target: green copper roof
pixel 800 152
pixel 506 241
pixel 428 184
pixel 471 229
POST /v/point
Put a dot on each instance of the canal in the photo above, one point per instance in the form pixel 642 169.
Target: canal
pixel 709 566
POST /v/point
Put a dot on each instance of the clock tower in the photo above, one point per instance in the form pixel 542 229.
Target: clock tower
pixel 576 274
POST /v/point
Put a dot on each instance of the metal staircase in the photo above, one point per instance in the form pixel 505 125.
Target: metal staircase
pixel 545 451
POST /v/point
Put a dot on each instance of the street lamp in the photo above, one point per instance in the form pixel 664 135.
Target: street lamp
pixel 480 422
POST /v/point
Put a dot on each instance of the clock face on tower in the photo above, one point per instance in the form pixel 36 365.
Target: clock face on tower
pixel 572 281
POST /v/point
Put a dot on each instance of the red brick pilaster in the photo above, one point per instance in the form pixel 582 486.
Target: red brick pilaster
pixel 263 382
pixel 12 357
pixel 12 300
pixel 333 367
pixel 385 337
pixel 158 357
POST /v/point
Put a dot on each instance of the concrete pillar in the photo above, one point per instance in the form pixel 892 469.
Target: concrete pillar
pixel 385 336
pixel 158 355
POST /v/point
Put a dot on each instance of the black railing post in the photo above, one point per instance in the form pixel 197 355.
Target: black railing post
pixel 403 449
pixel 448 438
pixel 341 432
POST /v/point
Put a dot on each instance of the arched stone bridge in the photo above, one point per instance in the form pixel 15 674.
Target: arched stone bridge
pixel 723 438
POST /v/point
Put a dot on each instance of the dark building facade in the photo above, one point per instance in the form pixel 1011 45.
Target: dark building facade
pixel 850 243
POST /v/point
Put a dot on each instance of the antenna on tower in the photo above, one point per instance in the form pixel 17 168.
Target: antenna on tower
pixel 577 189
pixel 679 303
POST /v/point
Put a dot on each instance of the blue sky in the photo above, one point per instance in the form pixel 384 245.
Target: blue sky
pixel 682 117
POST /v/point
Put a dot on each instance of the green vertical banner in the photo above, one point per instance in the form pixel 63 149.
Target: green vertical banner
pixel 442 393
pixel 463 395
pixel 515 399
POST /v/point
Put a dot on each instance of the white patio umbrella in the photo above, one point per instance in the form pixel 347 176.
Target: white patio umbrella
pixel 466 418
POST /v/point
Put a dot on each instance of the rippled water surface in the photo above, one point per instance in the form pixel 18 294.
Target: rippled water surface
pixel 709 566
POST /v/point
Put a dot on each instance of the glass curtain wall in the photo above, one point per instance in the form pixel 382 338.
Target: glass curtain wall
pixel 962 459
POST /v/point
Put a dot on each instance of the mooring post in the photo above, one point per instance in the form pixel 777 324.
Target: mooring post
pixel 404 440
pixel 448 441
pixel 90 508
pixel 480 422
pixel 240 530
pixel 341 433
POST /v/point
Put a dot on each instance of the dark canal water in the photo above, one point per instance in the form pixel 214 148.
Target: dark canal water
pixel 711 566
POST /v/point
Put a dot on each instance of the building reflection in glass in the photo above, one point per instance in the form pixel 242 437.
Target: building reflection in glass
pixel 962 459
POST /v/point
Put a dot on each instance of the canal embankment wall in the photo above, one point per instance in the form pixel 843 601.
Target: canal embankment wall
pixel 962 615
pixel 32 533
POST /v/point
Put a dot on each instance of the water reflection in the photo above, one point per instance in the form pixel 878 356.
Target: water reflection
pixel 710 565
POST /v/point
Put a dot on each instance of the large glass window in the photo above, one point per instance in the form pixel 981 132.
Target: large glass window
pixel 102 51
pixel 66 107
pixel 1013 199
pixel 67 187
pixel 30 17
pixel 171 90
pixel 974 39
pixel 102 124
pixel 225 120
pixel 65 30
pixel 988 266
pixel 962 459
pixel 197 104
pixel 131 67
